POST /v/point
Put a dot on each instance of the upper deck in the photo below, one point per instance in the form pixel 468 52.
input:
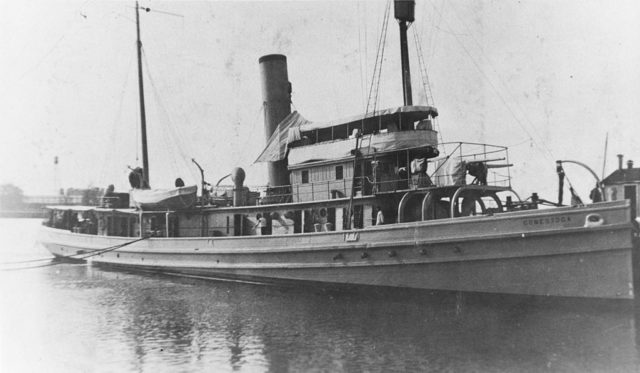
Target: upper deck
pixel 295 132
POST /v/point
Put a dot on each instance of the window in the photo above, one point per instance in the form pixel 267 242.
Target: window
pixel 338 172
pixel 305 177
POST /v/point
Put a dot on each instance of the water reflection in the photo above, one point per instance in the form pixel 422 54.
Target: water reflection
pixel 81 318
pixel 170 322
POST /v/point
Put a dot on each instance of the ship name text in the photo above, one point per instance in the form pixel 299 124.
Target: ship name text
pixel 545 221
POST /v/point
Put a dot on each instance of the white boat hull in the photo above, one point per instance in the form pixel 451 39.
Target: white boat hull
pixel 537 252
pixel 165 199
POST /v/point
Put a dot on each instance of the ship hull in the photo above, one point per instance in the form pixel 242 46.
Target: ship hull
pixel 554 252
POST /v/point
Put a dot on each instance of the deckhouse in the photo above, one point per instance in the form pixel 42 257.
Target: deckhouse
pixel 624 183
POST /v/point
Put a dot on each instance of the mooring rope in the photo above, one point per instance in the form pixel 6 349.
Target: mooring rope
pixel 80 256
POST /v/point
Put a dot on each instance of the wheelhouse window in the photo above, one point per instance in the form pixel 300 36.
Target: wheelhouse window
pixel 339 173
pixel 305 177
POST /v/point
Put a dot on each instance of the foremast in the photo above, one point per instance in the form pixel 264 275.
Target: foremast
pixel 143 117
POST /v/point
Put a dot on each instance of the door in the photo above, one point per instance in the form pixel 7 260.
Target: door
pixel 630 193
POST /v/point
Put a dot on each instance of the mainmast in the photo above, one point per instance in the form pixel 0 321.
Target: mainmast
pixel 404 13
pixel 143 117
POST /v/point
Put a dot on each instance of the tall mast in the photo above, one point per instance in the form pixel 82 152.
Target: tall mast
pixel 403 12
pixel 143 117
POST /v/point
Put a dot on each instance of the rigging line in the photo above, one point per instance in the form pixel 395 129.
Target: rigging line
pixel 52 263
pixel 427 84
pixel 163 134
pixel 378 62
pixel 84 256
pixel 375 67
pixel 169 151
pixel 157 95
pixel 112 248
pixel 165 12
pixel 182 141
pixel 435 27
pixel 166 139
pixel 366 48
pixel 384 44
pixel 252 135
pixel 435 30
pixel 446 159
pixel 70 30
pixel 520 143
pixel 362 82
pixel 175 137
pixel 383 41
pixel 112 143
pixel 179 141
pixel 55 45
pixel 100 251
pixel 502 99
pixel 506 88
pixel 28 261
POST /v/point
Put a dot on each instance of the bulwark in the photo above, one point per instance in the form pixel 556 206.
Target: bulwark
pixel 544 221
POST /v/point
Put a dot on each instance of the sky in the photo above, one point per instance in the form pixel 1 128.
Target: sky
pixel 549 79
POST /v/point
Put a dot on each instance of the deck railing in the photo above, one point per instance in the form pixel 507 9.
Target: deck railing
pixel 459 163
pixel 466 163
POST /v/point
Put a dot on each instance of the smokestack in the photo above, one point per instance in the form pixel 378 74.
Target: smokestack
pixel 276 97
pixel 629 164
pixel 619 161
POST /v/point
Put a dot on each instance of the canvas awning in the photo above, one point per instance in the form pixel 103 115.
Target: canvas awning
pixel 404 113
pixel 287 131
pixel 378 143
pixel 292 127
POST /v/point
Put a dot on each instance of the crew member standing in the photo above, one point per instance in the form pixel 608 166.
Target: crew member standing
pixel 379 217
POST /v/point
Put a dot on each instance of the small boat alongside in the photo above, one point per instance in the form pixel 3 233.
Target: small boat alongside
pixel 373 199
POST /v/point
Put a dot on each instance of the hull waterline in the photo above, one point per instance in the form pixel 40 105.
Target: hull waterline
pixel 544 252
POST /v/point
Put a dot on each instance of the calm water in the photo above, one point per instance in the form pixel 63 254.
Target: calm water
pixel 78 318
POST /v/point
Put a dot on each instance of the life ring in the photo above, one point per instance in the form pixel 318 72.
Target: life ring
pixel 593 220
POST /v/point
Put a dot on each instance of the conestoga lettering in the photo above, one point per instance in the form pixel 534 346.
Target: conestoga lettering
pixel 550 220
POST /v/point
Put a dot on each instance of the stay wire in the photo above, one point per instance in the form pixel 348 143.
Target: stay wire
pixel 251 140
pixel 70 29
pixel 82 256
pixel 163 134
pixel 179 140
pixel 435 28
pixel 114 128
pixel 384 44
pixel 515 103
pixel 362 82
pixel 427 84
pixel 549 154
pixel 377 69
